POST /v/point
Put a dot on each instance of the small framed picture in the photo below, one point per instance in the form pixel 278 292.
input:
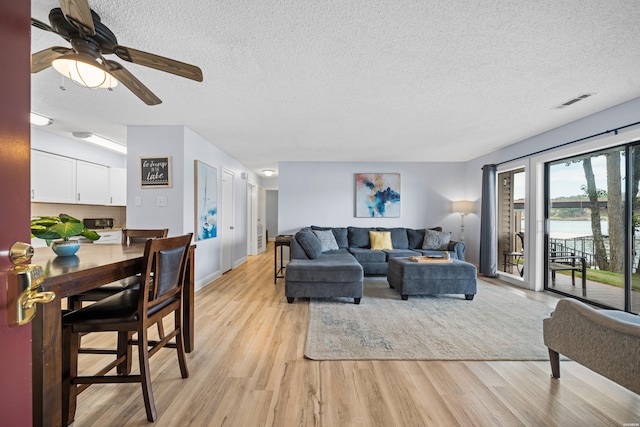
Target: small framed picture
pixel 155 172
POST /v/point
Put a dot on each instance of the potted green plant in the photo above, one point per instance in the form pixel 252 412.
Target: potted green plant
pixel 57 230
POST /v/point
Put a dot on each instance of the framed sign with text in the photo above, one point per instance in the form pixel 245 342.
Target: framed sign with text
pixel 155 172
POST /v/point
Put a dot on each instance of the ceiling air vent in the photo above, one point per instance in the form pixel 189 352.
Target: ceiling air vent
pixel 573 101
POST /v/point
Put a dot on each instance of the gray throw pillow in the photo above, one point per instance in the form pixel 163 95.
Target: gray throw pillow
pixel 436 240
pixel 327 240
pixel 340 233
pixel 310 243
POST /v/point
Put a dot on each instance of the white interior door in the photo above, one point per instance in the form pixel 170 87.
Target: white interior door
pixel 227 221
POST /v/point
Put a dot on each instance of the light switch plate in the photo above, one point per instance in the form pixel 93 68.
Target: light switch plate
pixel 138 201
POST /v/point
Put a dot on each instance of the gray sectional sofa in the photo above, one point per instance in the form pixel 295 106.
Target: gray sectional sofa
pixel 332 261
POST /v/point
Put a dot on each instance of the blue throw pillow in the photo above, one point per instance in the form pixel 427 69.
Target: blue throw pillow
pixel 310 243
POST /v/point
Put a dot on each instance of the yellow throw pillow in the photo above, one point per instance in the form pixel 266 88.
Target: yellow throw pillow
pixel 380 240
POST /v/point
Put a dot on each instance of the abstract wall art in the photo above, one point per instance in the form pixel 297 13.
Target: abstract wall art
pixel 206 201
pixel 377 195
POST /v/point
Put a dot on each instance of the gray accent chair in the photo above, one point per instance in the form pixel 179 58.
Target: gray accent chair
pixel 605 341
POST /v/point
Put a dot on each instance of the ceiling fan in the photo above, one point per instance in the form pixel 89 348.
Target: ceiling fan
pixel 90 39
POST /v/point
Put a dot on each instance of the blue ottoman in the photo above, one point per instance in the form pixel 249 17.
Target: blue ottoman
pixel 417 278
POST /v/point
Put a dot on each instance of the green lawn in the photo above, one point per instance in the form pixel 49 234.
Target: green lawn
pixel 608 277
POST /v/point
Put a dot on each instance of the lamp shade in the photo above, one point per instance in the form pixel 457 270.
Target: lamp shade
pixel 463 206
pixel 84 70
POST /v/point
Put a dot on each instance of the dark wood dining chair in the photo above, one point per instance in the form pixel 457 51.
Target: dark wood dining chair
pixel 132 236
pixel 130 312
pixel 129 236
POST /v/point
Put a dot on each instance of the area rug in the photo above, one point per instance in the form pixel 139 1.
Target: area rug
pixel 498 324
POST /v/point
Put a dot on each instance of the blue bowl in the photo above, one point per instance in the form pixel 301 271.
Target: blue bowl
pixel 68 248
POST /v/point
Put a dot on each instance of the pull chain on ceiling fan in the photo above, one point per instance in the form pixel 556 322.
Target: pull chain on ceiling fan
pixel 90 39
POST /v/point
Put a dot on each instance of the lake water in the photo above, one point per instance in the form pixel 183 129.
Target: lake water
pixel 566 229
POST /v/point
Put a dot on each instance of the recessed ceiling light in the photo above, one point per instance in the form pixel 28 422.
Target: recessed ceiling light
pixel 102 142
pixel 39 120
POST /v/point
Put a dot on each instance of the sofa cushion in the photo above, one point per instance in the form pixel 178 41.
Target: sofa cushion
pixel 401 253
pixel 309 242
pixel 340 233
pixel 359 237
pixel 415 237
pixel 380 240
pixel 335 268
pixel 368 255
pixel 399 238
pixel 327 240
pixel 436 240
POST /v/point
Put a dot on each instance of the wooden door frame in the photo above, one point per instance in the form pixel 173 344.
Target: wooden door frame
pixel 15 377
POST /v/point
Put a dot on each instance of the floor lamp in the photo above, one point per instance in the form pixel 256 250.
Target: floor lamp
pixel 463 207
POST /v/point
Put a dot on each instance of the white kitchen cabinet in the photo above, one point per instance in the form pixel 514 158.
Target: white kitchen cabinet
pixel 53 178
pixel 92 183
pixel 113 237
pixel 118 186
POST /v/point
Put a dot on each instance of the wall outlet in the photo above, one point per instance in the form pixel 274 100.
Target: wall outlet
pixel 161 201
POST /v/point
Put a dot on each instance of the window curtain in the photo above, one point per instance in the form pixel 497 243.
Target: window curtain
pixel 488 233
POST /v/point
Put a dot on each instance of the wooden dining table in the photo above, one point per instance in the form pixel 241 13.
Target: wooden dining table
pixel 94 265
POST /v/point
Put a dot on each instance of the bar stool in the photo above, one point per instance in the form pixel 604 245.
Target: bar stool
pixel 130 312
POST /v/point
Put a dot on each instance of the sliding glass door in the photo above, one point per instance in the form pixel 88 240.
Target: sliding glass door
pixel 590 251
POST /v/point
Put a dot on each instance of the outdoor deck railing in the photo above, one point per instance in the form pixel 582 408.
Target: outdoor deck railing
pixel 580 246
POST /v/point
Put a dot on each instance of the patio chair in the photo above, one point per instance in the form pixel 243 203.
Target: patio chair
pixel 568 261
pixel 515 257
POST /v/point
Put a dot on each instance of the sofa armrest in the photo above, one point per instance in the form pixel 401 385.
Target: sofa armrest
pixel 605 341
pixel 296 250
pixel 458 247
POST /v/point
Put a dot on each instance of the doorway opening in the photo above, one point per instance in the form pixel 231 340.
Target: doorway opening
pixel 511 222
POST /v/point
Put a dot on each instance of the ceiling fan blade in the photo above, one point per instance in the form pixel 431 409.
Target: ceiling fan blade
pixel 159 63
pixel 41 25
pixel 78 13
pixel 132 83
pixel 43 59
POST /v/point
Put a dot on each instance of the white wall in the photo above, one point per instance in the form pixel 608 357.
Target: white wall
pixel 185 146
pixel 323 194
pixel 160 141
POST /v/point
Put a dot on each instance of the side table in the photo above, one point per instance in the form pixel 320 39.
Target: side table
pixel 281 241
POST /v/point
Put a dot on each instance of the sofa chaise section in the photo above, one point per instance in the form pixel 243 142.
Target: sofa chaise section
pixel 331 274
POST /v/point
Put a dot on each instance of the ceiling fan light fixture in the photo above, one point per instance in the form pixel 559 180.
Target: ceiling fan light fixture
pixel 268 172
pixel 102 142
pixel 85 71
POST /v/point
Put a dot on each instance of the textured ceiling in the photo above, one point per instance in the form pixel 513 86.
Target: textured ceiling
pixel 356 80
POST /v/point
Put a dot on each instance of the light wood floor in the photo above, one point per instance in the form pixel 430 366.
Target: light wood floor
pixel 248 369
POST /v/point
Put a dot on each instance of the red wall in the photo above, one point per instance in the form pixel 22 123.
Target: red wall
pixel 15 210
